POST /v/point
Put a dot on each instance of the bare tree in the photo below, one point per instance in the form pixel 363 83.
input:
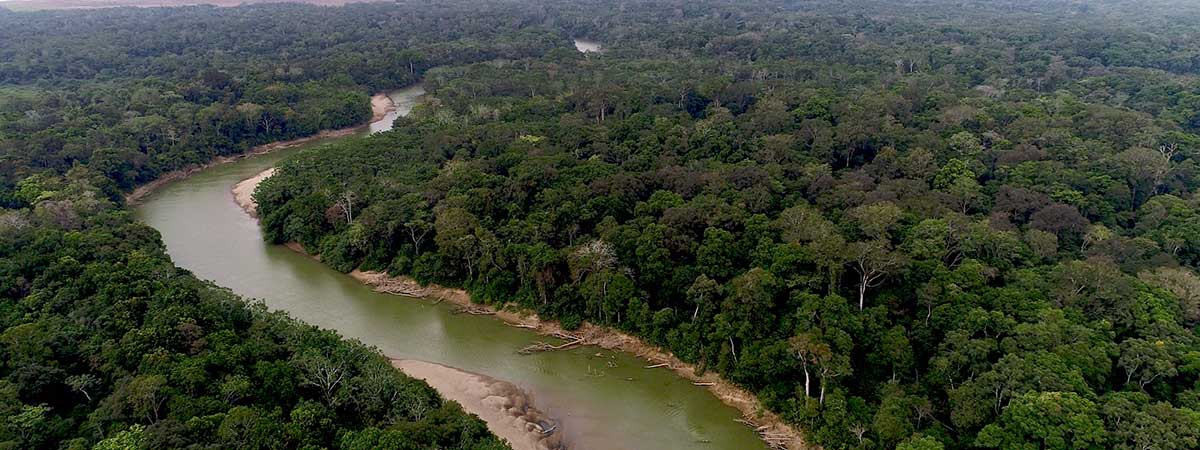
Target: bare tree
pixel 806 347
pixel 859 430
pixel 873 261
pixel 417 230
pixel 345 202
pixel 81 384
pixel 592 257
pixel 325 372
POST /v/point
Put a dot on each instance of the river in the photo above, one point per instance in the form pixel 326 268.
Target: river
pixel 603 400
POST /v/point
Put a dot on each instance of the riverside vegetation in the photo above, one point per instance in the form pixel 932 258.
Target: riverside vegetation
pixel 103 342
pixel 914 225
pixel 903 225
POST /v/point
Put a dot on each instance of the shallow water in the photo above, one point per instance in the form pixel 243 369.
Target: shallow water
pixel 603 399
pixel 404 101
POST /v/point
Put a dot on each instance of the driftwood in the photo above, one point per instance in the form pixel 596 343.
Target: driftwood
pixel 572 341
pixel 474 310
pixel 698 383
pixel 777 441
pixel 655 366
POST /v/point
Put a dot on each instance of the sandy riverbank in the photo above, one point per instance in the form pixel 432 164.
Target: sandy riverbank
pixel 507 410
pixel 243 192
pixel 771 427
pixel 381 105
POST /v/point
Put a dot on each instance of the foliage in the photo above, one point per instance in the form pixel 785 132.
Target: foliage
pixel 902 224
pixel 894 227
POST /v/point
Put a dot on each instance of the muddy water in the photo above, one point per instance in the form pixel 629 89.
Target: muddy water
pixel 602 399
pixel 403 100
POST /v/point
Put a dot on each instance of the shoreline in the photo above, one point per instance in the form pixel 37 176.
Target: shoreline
pixel 754 415
pixel 381 105
pixel 243 192
pixel 769 426
pixel 507 409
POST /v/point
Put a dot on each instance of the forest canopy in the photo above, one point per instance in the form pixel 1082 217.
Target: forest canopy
pixel 901 225
pixel 918 225
pixel 103 342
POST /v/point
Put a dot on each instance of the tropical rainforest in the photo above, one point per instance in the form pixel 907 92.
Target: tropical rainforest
pixel 918 224
pixel 103 342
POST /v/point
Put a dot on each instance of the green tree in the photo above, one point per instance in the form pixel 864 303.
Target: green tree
pixel 1046 420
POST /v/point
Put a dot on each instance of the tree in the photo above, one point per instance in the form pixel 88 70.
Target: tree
pixel 830 366
pixel 1145 360
pixel 147 396
pixel 920 443
pixel 893 419
pixel 717 255
pixel 1145 171
pixel 131 439
pixel 1058 218
pixel 1183 284
pixel 28 422
pixel 326 371
pixel 896 351
pixel 593 257
pixel 749 302
pixel 701 292
pixel 456 237
pixel 966 145
pixel 806 348
pixel 873 261
pixel 82 383
pixel 1135 423
pixel 1046 420
pixel 876 220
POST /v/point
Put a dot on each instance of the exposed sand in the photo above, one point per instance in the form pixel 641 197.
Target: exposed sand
pixel 381 105
pixel 507 410
pixel 776 432
pixel 770 426
pixel 243 192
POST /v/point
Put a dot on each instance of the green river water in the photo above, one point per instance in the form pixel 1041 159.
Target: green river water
pixel 602 402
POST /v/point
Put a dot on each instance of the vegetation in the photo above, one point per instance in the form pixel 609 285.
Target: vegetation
pixel 103 342
pixel 917 225
pixel 926 225
pixel 135 93
pixel 106 343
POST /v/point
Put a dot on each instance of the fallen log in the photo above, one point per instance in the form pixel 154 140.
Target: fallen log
pixel 539 347
pixel 776 441
pixel 474 310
